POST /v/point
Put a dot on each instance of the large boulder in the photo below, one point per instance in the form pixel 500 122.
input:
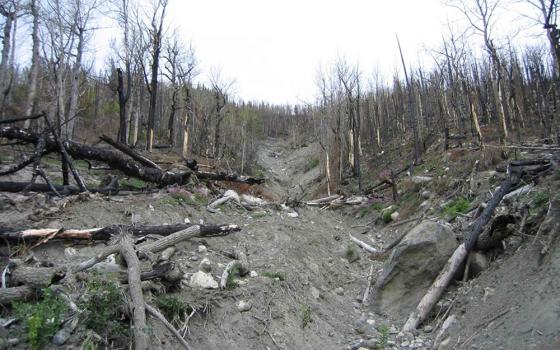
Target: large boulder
pixel 411 268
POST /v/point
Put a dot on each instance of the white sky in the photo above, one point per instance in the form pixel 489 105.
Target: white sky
pixel 273 48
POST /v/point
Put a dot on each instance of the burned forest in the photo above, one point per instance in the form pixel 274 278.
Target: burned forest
pixel 157 193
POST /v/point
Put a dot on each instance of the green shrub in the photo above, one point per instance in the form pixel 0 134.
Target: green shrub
pixel 540 198
pixel 104 299
pixel 275 274
pixel 351 252
pixel 173 308
pixel 386 217
pixel 459 205
pixel 231 283
pixel 384 339
pixel 305 315
pixel 41 320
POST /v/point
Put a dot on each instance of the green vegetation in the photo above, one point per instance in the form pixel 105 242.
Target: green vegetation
pixel 179 198
pixel 383 340
pixel 173 308
pixel 312 163
pixel 103 300
pixel 459 205
pixel 557 174
pixel 275 275
pixel 231 283
pixel 351 252
pixel 541 198
pixel 305 315
pixel 41 320
pixel 134 183
pixel 386 213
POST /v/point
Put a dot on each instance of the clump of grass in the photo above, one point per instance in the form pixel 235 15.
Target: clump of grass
pixel 275 275
pixel 384 339
pixel 312 163
pixel 134 183
pixel 231 283
pixel 459 205
pixel 305 315
pixel 557 174
pixel 541 198
pixel 41 320
pixel 351 252
pixel 104 298
pixel 173 308
pixel 386 213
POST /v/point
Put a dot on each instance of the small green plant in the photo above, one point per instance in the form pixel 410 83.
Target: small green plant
pixel 134 183
pixel 386 217
pixel 41 320
pixel 384 339
pixel 541 198
pixel 305 315
pixel 351 253
pixel 104 298
pixel 377 206
pixel 459 205
pixel 312 163
pixel 275 275
pixel 173 308
pixel 231 283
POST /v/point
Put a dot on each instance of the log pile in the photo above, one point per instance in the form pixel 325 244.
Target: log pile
pixel 124 159
pixel 22 281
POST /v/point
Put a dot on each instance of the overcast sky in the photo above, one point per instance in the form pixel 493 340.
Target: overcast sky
pixel 273 48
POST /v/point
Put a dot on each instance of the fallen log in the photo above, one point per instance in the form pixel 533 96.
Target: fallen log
pixel 9 295
pixel 240 264
pixel 130 152
pixel 16 120
pixel 159 245
pixel 322 201
pixel 118 162
pixel 106 233
pixel 14 187
pixel 364 245
pixel 455 261
pixel 137 305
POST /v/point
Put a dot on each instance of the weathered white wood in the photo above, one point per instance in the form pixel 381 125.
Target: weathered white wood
pixel 364 245
pixel 436 290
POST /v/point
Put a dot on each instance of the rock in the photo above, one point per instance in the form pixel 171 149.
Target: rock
pixel 428 329
pixel 355 344
pixel 253 274
pixel 421 179
pixel 293 214
pixel 244 306
pixel 371 343
pixel 315 292
pixel 205 265
pixel 203 280
pixel 412 266
pixel 194 258
pixel 479 263
pixel 405 344
pixel 426 194
pixel 360 325
pixel 68 252
pixel 339 291
pixel 395 216
pixel 444 331
pixel 202 249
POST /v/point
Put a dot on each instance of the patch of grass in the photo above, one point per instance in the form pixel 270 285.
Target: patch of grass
pixel 384 339
pixel 259 214
pixel 351 252
pixel 41 320
pixel 312 163
pixel 275 274
pixel 557 174
pixel 386 217
pixel 377 206
pixel 104 298
pixel 541 198
pixel 171 201
pixel 305 315
pixel 173 308
pixel 231 283
pixel 459 205
pixel 134 183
